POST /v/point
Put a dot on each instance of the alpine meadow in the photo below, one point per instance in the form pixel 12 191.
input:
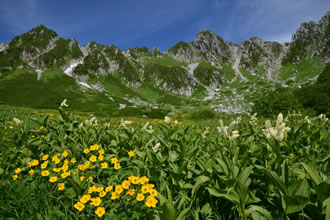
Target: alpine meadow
pixel 207 129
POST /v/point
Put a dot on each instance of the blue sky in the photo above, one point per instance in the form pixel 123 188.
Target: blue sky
pixel 159 23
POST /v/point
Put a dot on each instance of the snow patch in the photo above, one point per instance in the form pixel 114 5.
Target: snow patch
pixel 68 71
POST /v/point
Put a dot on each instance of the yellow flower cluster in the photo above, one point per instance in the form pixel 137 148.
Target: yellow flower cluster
pixel 58 167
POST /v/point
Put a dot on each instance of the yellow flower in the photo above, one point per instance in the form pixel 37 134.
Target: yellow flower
pixel 101 157
pixel 11 127
pixel 99 189
pixel 42 127
pixel 126 184
pixel 31 172
pixel 108 189
pixel 15 177
pixel 147 158
pixel 101 151
pixel 151 186
pixel 81 167
pixel 90 179
pixel 82 178
pixel 153 192
pixel 117 166
pixel 55 159
pixel 33 136
pixel 79 206
pixel 102 194
pixel 96 201
pixel 65 153
pixel 151 201
pixel 131 192
pixel 35 162
pixel 145 189
pixel 55 169
pixel 53 179
pixel 104 165
pixel 18 170
pixel 65 174
pixel 86 150
pixel 131 153
pixel 73 160
pixel 65 167
pixel 114 160
pixel 45 157
pixel 66 162
pixel 91 189
pixel 94 147
pixel 100 211
pixel 93 158
pixel 44 164
pixel 45 173
pixel 85 198
pixel 140 197
pixel 134 179
pixel 60 186
pixel 118 189
pixel 115 195
pixel 144 180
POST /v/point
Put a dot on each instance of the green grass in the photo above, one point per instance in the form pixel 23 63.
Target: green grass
pixel 304 70
pixel 228 72
pixel 26 91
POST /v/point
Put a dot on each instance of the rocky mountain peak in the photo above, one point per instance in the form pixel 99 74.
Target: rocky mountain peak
pixel 257 40
pixel 3 46
pixel 325 20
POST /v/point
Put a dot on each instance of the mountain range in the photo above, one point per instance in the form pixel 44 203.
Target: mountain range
pixel 39 69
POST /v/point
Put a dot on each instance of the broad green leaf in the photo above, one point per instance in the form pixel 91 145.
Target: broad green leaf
pixel 183 213
pixel 326 204
pixel 275 179
pixel 300 188
pixel 241 189
pixel 285 172
pixel 245 174
pixel 323 191
pixel 223 165
pixel 294 203
pixel 312 173
pixel 198 182
pixel 258 213
pixel 206 210
pixel 232 197
pixel 168 211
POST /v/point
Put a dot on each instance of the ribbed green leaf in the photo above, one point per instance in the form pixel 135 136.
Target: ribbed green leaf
pixel 312 173
pixel 326 204
pixel 232 196
pixel 294 203
pixel 258 213
pixel 274 179
pixel 168 212
pixel 199 181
